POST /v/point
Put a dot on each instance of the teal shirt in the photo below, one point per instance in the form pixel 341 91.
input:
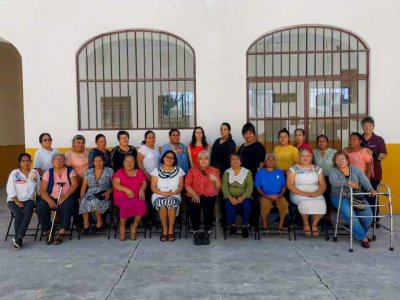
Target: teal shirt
pixel 326 162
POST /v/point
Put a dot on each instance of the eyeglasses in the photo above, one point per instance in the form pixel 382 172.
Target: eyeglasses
pixel 169 157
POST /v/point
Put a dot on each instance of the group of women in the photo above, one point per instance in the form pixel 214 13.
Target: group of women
pixel 138 181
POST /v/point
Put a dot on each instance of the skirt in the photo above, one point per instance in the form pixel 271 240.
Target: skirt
pixel 131 208
pixel 167 202
pixel 90 203
pixel 309 206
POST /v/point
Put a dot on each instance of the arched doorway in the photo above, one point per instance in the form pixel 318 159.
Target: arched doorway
pixel 12 137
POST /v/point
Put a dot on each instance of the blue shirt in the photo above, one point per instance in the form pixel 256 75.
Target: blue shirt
pixel 270 182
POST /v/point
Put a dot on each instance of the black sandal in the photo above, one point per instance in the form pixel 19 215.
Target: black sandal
pixel 59 239
pixel 164 238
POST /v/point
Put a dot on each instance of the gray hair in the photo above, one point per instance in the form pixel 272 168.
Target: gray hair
pixel 204 153
pixel 270 154
pixel 58 154
pixel 78 137
pixel 301 150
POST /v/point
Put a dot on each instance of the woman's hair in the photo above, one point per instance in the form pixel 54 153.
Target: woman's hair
pixel 300 129
pixel 204 153
pixel 78 137
pixel 146 134
pixel 236 155
pixel 99 136
pixel 340 153
pixel 173 130
pixel 302 150
pixel 58 154
pixel 173 153
pixel 98 154
pixel 203 138
pixel 122 132
pixel 228 126
pixel 368 120
pixel 130 155
pixel 41 136
pixel 360 137
pixel 284 130
pixel 270 154
pixel 248 127
pixel 322 136
pixel 22 155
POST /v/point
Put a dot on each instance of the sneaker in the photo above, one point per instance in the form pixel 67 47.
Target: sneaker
pixel 245 232
pixel 232 230
pixel 197 238
pixel 17 243
pixel 206 238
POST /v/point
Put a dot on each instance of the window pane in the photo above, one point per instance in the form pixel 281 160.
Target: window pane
pixel 277 42
pixel 140 50
pixel 268 43
pixel 362 97
pixel 310 39
pixel 345 41
pixel 276 112
pixel 321 99
pixel 181 59
pixel 268 65
pixel 115 57
pixel 302 39
pixel 300 99
pixel 157 58
pixel 293 65
pixel 164 56
pixel 189 61
pixel 292 103
pixel 337 99
pixel 353 96
pixel 337 134
pixel 90 61
pixel 345 98
pixel 319 57
pixel 260 65
pixel 172 57
pixel 132 55
pixel 285 99
pixel 311 131
pixel 294 39
pixel 328 63
pixel 277 65
pixel 83 106
pixel 260 45
pixel 353 63
pixel 252 100
pixel 336 40
pixel 107 57
pixel 336 63
pixel 362 63
pixel 260 100
pixel 329 94
pixel 345 63
pixel 82 64
pixel 99 58
pixel 319 39
pixel 312 99
pixel 302 64
pixel 285 40
pixel 251 65
pixel 327 39
pixel 353 43
pixel 123 57
pixel 149 105
pixel 285 64
pixel 311 64
pixel 268 99
pixel 269 138
pixel 148 56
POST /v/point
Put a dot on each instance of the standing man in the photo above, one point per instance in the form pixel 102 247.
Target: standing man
pixel 378 147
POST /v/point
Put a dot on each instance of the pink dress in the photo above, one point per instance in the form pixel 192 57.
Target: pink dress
pixel 130 207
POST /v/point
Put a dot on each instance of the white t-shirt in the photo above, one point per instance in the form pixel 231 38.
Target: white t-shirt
pixel 43 159
pixel 167 181
pixel 151 158
pixel 21 187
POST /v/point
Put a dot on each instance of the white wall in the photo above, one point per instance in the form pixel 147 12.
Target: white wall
pixel 48 34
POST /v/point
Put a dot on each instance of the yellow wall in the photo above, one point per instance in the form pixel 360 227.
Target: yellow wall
pixel 9 160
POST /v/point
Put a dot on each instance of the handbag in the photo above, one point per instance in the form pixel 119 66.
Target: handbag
pixel 99 195
pixel 359 203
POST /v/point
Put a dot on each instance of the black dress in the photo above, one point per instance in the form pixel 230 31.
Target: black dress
pixel 118 156
pixel 220 154
pixel 252 156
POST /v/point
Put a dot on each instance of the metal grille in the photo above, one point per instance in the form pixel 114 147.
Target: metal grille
pixel 313 77
pixel 136 79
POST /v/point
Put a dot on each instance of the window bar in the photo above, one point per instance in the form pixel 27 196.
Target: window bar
pixel 176 76
pixel 87 88
pixel 281 58
pixel 161 91
pixel 315 54
pixel 119 85
pixel 95 83
pixel 128 81
pixel 169 87
pixel 137 86
pixel 273 60
pixel 104 86
pixel 144 76
pixel 256 65
pixel 112 87
pixel 152 77
pixel 184 75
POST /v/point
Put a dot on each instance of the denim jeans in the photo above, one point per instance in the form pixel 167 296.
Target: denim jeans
pixel 22 216
pixel 232 210
pixel 360 225
pixel 66 211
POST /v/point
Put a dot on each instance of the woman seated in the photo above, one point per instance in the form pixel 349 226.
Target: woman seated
pixel 271 185
pixel 202 185
pixel 49 191
pixel 306 183
pixel 166 184
pixel 22 186
pixel 95 192
pixel 359 156
pixel 237 187
pixel 129 195
pixel 345 174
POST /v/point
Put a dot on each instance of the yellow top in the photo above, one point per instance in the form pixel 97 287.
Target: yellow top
pixel 286 157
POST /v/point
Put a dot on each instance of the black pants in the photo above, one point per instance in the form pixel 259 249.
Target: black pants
pixel 22 216
pixel 371 200
pixel 207 204
pixel 66 211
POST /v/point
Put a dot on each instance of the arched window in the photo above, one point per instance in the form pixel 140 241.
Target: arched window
pixel 313 77
pixel 136 79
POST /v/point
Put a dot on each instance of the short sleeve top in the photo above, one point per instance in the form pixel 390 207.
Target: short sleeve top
pixel 151 158
pixel 63 178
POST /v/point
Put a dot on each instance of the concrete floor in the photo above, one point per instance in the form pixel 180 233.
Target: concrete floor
pixel 273 268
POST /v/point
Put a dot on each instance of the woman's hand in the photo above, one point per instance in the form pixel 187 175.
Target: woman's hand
pixel 373 193
pixel 232 200
pixel 240 199
pixel 213 178
pixel 129 193
pixel 196 198
pixel 19 203
pixel 107 195
pixel 353 184
pixel 142 194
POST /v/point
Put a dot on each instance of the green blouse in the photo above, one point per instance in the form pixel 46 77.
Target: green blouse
pixel 234 188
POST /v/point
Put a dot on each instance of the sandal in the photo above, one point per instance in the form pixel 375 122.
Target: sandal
pixel 164 238
pixel 315 231
pixel 59 239
pixel 171 237
pixel 307 230
pixel 281 230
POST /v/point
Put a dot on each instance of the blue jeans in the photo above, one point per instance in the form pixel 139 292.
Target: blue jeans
pixel 360 225
pixel 22 216
pixel 232 210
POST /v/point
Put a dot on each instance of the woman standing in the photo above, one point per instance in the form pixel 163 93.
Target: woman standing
pixel 22 186
pixel 300 140
pixel 252 151
pixel 222 148
pixel 306 183
pixel 119 152
pixel 286 154
pixel 345 174
pixel 95 192
pixel 167 184
pixel 178 148
pixel 78 156
pixel 101 148
pixel 359 156
pixel 42 161
pixel 129 195
pixel 198 144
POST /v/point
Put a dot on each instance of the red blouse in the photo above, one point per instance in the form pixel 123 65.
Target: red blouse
pixel 200 181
